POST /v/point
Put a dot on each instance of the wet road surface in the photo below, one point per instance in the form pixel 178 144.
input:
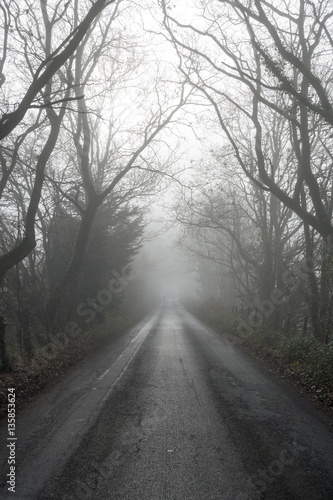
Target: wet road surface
pixel 172 411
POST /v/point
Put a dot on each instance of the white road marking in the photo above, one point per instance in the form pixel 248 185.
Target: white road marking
pixel 103 374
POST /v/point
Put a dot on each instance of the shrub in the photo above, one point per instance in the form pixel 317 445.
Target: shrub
pixel 297 348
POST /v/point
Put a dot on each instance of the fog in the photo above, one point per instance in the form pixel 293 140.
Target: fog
pixel 187 120
pixel 154 154
pixel 162 267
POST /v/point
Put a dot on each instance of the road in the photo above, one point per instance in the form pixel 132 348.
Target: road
pixel 171 411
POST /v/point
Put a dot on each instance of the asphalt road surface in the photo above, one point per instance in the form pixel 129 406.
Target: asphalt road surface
pixel 171 411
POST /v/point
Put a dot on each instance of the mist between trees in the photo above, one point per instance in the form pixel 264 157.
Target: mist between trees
pixel 97 102
pixel 265 205
pixel 84 108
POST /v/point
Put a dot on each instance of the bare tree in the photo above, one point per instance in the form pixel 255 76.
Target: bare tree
pixel 276 57
pixel 95 195
pixel 241 229
pixel 45 92
pixel 52 61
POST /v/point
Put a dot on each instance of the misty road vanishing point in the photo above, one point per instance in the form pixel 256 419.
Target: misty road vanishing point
pixel 171 411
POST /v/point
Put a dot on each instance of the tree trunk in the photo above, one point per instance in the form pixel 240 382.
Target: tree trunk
pixel 28 242
pixel 28 348
pixel 326 288
pixel 313 297
pixel 4 358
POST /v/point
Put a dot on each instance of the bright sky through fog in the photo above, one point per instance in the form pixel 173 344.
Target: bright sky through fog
pixel 164 269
